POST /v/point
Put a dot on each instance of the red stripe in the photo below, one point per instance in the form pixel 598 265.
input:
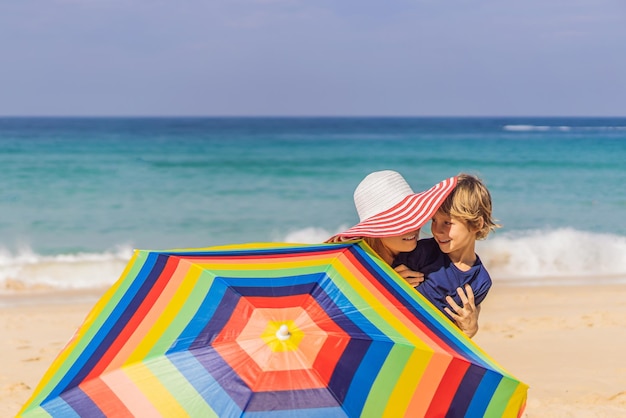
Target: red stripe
pixel 138 316
pixel 449 385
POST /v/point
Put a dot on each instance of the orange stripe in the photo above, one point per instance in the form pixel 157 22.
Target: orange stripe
pixel 150 318
pixel 437 366
pixel 105 399
pixel 134 321
pixel 130 395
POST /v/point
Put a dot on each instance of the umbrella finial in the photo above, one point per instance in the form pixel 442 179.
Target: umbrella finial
pixel 283 333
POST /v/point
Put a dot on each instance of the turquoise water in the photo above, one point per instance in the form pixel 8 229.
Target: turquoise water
pixel 84 191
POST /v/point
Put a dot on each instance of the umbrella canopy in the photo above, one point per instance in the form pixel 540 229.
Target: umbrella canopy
pixel 270 329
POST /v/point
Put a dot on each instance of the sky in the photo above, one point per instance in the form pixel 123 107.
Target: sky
pixel 313 58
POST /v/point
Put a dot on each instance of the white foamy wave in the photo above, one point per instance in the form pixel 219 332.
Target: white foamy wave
pixel 27 270
pixel 531 257
pixel 310 235
pixel 526 128
pixel 543 128
pixel 557 253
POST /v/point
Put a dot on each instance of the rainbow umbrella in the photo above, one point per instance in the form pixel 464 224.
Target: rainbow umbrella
pixel 270 329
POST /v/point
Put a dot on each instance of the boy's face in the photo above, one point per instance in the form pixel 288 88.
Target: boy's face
pixel 402 243
pixel 452 235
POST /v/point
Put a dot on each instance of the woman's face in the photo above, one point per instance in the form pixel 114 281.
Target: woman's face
pixel 402 243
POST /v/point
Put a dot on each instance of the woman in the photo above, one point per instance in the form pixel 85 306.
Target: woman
pixel 391 216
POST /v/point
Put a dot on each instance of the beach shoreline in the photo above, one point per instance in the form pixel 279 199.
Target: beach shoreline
pixel 565 342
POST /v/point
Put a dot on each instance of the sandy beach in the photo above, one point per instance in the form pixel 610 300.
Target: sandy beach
pixel 565 342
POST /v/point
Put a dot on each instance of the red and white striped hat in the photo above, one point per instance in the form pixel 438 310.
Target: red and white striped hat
pixel 387 206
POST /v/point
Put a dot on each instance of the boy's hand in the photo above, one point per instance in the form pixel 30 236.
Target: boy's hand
pixel 412 277
pixel 466 317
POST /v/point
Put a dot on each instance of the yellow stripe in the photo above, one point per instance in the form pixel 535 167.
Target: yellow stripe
pixel 167 317
pixel 158 395
pixel 407 383
pixel 516 401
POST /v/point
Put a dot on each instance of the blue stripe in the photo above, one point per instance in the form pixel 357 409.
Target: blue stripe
pixel 82 404
pixel 57 407
pixel 202 381
pixel 466 391
pixel 483 394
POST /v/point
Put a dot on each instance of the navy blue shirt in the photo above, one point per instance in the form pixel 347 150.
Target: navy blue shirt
pixel 441 276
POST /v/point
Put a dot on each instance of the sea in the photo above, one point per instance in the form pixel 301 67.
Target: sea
pixel 78 195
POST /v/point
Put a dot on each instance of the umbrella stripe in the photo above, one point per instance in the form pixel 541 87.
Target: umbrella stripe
pixel 57 407
pixel 180 308
pixel 143 308
pixel 129 394
pixel 506 400
pixel 336 412
pixel 204 384
pixel 467 390
pixel 81 403
pixel 383 388
pixel 154 389
pixel 126 313
pixel 361 387
pixel 413 374
pixel 517 402
pixel 433 375
pixel 483 394
pixel 160 304
pixel 287 399
pixel 447 388
pixel 201 316
pixel 106 400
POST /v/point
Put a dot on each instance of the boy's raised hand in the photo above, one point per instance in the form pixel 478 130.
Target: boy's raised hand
pixel 466 317
pixel 413 278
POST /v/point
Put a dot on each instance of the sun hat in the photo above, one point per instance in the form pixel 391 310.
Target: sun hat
pixel 387 206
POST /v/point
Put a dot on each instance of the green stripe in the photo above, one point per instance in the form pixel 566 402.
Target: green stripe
pixel 501 397
pixel 180 388
pixel 186 313
pixel 385 382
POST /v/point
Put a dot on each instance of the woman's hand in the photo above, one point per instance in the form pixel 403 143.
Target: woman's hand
pixel 466 317
pixel 412 277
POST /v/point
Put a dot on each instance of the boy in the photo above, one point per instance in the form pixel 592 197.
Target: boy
pixel 448 261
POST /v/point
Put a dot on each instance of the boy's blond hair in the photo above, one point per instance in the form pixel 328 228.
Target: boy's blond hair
pixel 470 202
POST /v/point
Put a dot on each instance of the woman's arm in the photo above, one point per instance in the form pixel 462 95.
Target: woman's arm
pixel 413 278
